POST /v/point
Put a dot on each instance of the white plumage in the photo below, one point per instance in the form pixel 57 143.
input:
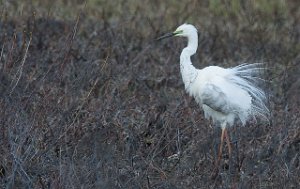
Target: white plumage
pixel 225 94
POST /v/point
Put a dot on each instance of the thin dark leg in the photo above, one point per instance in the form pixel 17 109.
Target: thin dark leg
pixel 216 170
pixel 228 142
pixel 221 145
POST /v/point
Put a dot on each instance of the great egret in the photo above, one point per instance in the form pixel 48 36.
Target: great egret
pixel 225 94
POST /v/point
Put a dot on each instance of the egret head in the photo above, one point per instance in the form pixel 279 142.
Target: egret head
pixel 185 30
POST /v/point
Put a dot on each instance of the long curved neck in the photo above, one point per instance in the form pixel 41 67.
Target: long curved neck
pixel 192 45
pixel 188 71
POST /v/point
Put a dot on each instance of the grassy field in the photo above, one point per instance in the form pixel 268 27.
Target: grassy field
pixel 90 100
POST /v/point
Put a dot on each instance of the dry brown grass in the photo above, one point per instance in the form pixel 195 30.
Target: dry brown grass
pixel 94 102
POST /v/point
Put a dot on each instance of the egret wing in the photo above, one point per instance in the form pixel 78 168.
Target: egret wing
pixel 213 96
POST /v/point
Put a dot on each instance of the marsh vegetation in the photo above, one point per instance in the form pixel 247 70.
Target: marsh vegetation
pixel 90 100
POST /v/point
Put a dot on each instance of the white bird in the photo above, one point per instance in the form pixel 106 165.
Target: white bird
pixel 225 94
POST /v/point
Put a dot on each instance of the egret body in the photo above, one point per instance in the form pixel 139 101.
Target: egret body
pixel 225 94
